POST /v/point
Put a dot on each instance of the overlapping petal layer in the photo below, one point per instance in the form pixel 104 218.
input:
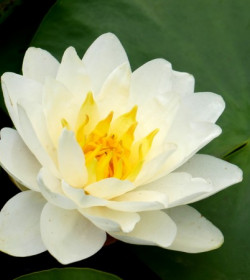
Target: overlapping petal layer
pixel 104 149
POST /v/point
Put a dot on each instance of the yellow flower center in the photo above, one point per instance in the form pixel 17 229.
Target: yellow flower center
pixel 108 144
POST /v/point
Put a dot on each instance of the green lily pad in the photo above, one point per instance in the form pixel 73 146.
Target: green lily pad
pixel 209 39
pixel 17 27
pixel 69 273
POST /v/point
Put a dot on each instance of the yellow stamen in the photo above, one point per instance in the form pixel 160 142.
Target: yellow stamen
pixel 146 144
pixel 141 148
pixel 127 138
pixel 91 167
pixel 122 123
pixel 80 136
pixel 103 166
pixel 65 123
pixel 102 128
pixel 109 146
pixel 135 171
pixel 118 168
pixel 88 108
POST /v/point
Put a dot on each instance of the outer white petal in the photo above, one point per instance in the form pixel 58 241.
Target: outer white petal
pixel 20 87
pixel 16 87
pixel 71 160
pixel 154 228
pixel 203 107
pixel 151 79
pixel 180 188
pixel 17 159
pixel 82 199
pixel 109 188
pixel 219 173
pixel 115 91
pixel 193 127
pixel 36 116
pixel 39 64
pixel 10 106
pixel 72 74
pixel 51 189
pixel 20 225
pixel 102 57
pixel 31 140
pixel 198 134
pixel 182 83
pixel 68 236
pixel 137 201
pixel 195 233
pixel 190 138
pixel 111 220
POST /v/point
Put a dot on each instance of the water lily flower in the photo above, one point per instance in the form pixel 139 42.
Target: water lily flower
pixel 98 149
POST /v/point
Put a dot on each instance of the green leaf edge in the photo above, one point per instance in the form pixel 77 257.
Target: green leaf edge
pixel 236 149
pixel 24 277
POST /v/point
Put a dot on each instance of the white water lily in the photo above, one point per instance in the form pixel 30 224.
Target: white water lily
pixel 104 150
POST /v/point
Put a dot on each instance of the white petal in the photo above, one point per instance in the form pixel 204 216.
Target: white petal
pixel 11 108
pixel 56 100
pixel 109 188
pixel 35 113
pixel 51 189
pixel 219 173
pixel 182 83
pixel 68 236
pixel 20 225
pixel 192 131
pixel 16 87
pixel 82 199
pixel 71 160
pixel 111 220
pixel 102 57
pixel 137 201
pixel 115 91
pixel 151 79
pixel 39 64
pixel 72 74
pixel 31 140
pixel 20 87
pixel 195 233
pixel 194 136
pixel 157 112
pixel 190 138
pixel 17 159
pixel 150 169
pixel 203 107
pixel 154 228
pixel 180 188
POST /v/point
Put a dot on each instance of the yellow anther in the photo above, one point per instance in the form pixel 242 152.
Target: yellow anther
pixel 88 108
pixel 146 144
pixel 117 167
pixel 91 167
pixel 102 128
pixel 103 166
pixel 80 136
pixel 109 146
pixel 134 171
pixel 123 122
pixel 141 148
pixel 65 123
pixel 127 138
